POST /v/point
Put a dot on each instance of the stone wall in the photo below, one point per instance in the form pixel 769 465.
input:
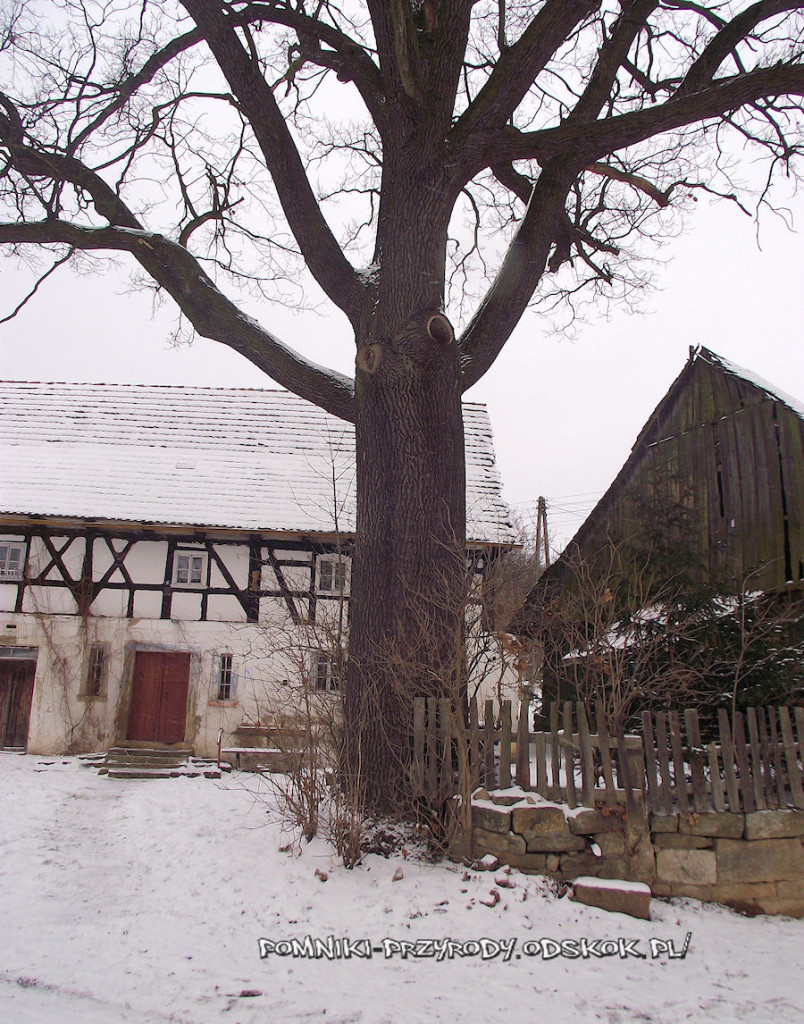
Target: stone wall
pixel 752 862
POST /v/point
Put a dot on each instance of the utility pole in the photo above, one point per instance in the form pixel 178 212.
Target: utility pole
pixel 542 543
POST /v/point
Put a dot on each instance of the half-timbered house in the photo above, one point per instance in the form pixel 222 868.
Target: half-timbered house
pixel 170 556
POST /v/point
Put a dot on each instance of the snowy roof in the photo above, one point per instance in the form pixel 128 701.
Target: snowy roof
pixel 750 377
pixel 209 457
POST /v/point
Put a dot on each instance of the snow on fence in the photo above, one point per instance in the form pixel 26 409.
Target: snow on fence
pixel 755 765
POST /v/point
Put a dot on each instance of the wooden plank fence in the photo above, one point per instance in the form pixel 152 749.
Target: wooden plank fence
pixel 755 764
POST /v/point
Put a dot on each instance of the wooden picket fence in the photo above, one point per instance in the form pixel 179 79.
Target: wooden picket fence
pixel 756 763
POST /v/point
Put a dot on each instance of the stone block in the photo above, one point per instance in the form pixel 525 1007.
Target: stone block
pixel 674 841
pixel 491 819
pixel 552 861
pixel 664 823
pixel 687 867
pixel 507 798
pixel 574 864
pixel 774 824
pixel 761 860
pixel 613 867
pixel 536 821
pixel 641 859
pixel 590 822
pixel 735 891
pixel 721 826
pixel 556 843
pixel 528 863
pixel 632 899
pixel 789 907
pixel 662 889
pixel 612 844
pixel 693 892
pixel 793 890
pixel 501 845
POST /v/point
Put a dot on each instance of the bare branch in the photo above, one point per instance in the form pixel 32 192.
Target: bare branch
pixel 321 251
pixel 208 310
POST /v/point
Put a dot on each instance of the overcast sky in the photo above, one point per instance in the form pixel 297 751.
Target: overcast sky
pixel 565 412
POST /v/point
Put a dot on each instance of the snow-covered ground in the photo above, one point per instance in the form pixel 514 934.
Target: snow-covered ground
pixel 145 901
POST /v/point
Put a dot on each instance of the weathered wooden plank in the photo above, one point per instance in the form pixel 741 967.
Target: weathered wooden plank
pixel 523 744
pixel 747 781
pixel 695 752
pixel 417 769
pixel 604 743
pixel 793 770
pixel 756 759
pixel 555 754
pixel 627 782
pixel 767 761
pixel 679 773
pixel 654 795
pixel 432 750
pixel 490 775
pixel 505 744
pixel 446 783
pixel 569 755
pixel 587 757
pixel 663 754
pixel 716 782
pixel 776 757
pixel 474 743
pixel 540 752
pixel 727 754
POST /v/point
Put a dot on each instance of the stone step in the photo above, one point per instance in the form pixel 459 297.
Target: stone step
pixel 164 752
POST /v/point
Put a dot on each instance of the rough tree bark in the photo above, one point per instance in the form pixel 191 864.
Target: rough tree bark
pixel 550 109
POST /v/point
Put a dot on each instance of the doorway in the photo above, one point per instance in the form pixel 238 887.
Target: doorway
pixel 16 694
pixel 158 711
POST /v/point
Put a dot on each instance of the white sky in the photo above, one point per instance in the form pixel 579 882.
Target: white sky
pixel 564 413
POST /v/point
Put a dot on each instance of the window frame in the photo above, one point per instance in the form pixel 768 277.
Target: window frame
pixel 325 681
pixel 338 565
pixel 12 544
pixel 96 672
pixel 190 554
pixel 225 677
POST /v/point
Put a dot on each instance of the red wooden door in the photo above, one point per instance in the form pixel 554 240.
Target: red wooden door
pixel 16 694
pixel 159 697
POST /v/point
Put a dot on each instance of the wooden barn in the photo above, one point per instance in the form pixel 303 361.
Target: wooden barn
pixel 709 506
pixel 718 470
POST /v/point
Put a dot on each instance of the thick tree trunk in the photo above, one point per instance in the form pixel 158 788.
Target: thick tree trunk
pixel 408 571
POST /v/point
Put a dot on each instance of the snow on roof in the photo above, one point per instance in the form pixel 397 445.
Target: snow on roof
pixel 214 457
pixel 752 378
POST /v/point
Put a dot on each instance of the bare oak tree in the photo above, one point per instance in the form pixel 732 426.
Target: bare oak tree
pixel 535 145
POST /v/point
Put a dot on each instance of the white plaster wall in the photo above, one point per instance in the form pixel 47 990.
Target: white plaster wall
pixel 235 558
pixel 8 597
pixel 224 608
pixel 147 604
pixel 145 562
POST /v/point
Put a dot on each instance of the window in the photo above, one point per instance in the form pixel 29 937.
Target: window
pixel 226 677
pixel 326 675
pixel 95 681
pixel 333 574
pixel 190 568
pixel 12 559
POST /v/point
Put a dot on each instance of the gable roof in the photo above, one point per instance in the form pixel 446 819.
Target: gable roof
pixel 204 457
pixel 696 404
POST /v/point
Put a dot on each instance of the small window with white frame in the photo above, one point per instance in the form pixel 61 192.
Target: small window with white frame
pixel 325 673
pixel 97 663
pixel 12 559
pixel 190 568
pixel 225 677
pixel 332 575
